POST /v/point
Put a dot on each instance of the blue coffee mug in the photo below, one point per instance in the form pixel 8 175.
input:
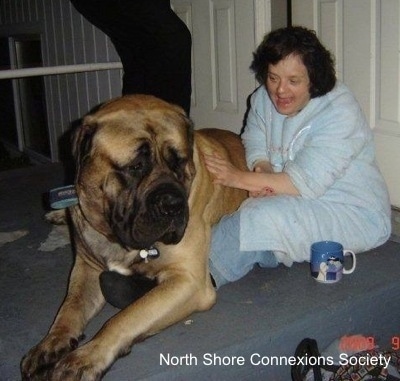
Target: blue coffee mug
pixel 327 261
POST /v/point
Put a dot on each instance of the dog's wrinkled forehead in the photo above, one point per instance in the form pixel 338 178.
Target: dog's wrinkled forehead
pixel 130 131
pixel 123 126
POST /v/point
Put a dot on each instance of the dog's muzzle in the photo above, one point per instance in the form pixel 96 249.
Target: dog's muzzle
pixel 168 210
pixel 157 215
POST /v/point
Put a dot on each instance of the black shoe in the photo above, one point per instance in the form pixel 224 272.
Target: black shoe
pixel 121 290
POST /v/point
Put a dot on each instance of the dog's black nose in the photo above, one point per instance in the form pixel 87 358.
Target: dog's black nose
pixel 168 202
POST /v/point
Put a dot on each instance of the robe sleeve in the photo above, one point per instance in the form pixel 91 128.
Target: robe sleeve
pixel 254 135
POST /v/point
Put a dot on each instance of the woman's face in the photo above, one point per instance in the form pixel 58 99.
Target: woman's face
pixel 288 85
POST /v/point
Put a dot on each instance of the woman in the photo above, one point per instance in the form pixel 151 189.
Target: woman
pixel 311 154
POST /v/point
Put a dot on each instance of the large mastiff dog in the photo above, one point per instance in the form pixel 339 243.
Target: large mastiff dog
pixel 141 183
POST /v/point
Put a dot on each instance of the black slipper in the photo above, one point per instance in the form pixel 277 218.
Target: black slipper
pixel 121 290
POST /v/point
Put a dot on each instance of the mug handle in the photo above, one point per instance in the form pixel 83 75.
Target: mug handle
pixel 349 252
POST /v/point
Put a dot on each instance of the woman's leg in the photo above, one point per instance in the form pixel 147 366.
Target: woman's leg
pixel 227 262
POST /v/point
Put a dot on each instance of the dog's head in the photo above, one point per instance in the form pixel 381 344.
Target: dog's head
pixel 134 170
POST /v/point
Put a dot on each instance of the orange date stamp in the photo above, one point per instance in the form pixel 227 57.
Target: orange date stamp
pixel 358 343
pixel 396 342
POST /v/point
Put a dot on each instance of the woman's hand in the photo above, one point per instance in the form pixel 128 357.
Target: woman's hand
pixel 262 167
pixel 261 182
pixel 224 172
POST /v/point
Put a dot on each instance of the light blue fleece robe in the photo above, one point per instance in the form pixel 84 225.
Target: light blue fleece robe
pixel 327 149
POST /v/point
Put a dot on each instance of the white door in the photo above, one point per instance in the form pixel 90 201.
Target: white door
pixel 364 35
pixel 225 34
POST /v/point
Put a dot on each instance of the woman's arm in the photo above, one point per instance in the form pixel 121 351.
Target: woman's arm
pixel 254 136
pixel 261 182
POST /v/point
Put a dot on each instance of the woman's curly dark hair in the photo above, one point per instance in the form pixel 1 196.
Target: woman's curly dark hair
pixel 301 41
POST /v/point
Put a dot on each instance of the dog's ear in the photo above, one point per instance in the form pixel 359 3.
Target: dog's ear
pixel 188 123
pixel 190 130
pixel 83 138
pixel 190 170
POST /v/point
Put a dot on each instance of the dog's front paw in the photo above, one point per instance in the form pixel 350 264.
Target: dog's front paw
pixel 83 364
pixel 41 359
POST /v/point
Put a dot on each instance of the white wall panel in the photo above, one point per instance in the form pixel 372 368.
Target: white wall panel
pixel 223 55
pixel 388 75
pixel 387 85
pixel 358 47
pixel 223 36
pixel 330 29
pixel 262 19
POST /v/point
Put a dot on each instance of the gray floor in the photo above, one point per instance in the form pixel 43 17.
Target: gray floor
pixel 265 314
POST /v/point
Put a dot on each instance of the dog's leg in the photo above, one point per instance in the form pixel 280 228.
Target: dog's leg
pixel 83 301
pixel 171 301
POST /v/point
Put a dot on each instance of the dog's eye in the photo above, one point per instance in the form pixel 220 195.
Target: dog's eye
pixel 175 161
pixel 140 165
pixel 136 167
